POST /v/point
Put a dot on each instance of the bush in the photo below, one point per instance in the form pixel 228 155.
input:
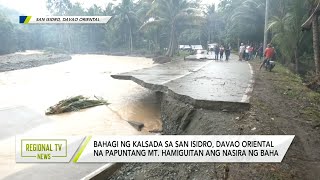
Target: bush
pixel 313 81
pixel 184 53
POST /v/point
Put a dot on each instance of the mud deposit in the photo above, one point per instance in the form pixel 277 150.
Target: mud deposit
pixel 31 59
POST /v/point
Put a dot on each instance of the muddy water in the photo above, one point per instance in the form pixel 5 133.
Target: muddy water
pixel 88 75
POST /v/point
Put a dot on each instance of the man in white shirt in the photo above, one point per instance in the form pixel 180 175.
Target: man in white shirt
pixel 247 53
pixel 242 49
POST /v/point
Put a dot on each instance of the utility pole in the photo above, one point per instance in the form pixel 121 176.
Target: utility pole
pixel 265 41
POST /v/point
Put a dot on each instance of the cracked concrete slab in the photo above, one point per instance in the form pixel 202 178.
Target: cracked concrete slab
pixel 205 84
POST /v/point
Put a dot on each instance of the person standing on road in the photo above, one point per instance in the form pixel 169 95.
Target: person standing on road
pixel 268 54
pixel 251 52
pixel 228 52
pixel 216 52
pixel 221 52
pixel 211 50
pixel 247 53
pixel 242 49
pixel 260 52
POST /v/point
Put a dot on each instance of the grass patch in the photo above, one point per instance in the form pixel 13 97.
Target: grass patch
pixel 292 89
pixel 260 104
pixel 292 86
pixel 74 104
pixel 311 113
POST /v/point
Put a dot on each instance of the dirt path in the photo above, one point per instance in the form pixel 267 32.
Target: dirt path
pixel 280 105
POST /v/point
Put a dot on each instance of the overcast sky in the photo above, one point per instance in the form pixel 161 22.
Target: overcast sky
pixel 38 7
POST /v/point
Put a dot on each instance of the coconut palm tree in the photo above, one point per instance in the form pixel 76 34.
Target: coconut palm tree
pixel 150 34
pixel 312 22
pixel 213 28
pixel 125 15
pixel 211 18
pixel 61 8
pixel 247 20
pixel 315 32
pixel 285 27
pixel 175 15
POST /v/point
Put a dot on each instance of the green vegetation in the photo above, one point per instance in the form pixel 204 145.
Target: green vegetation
pixel 311 114
pixel 290 85
pixel 174 16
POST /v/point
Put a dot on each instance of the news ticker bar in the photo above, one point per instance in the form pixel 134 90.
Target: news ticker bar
pixel 153 148
pixel 64 19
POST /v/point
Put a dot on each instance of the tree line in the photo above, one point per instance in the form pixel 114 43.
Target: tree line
pixel 159 26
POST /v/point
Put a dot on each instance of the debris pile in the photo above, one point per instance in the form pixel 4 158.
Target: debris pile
pixel 74 104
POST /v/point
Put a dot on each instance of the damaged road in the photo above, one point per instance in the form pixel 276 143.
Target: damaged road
pixel 214 85
pixel 280 105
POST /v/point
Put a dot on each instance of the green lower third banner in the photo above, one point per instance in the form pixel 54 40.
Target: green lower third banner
pixel 154 148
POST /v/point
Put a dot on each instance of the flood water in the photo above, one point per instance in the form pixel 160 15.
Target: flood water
pixel 88 75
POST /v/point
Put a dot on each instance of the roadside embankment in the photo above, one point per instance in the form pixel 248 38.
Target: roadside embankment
pixel 280 105
pixel 181 118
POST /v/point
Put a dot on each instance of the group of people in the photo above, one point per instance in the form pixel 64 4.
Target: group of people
pixel 249 52
pixel 220 51
pixel 246 52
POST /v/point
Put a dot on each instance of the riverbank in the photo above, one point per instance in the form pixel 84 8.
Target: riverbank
pixel 36 58
pixel 29 59
pixel 280 104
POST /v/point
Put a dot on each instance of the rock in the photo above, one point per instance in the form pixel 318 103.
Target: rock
pixel 253 129
pixel 237 118
pixel 137 125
